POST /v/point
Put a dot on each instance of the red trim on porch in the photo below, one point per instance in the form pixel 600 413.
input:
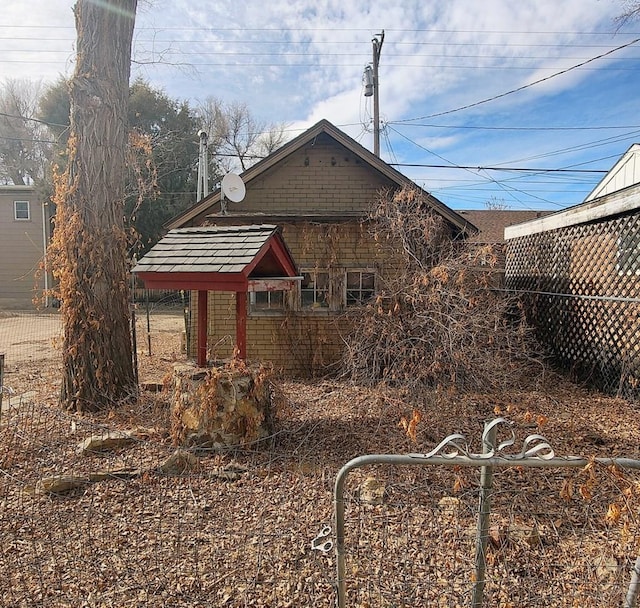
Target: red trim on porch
pixel 203 323
pixel 241 324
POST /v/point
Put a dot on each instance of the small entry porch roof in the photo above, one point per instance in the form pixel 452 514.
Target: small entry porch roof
pixel 220 258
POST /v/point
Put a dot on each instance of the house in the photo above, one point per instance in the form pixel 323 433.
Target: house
pixel 24 235
pixel 489 240
pixel 492 222
pixel 578 272
pixel 318 190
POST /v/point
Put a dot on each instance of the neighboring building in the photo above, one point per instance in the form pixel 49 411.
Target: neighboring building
pixel 578 272
pixel 492 222
pixel 24 234
pixel 317 189
pixel 490 250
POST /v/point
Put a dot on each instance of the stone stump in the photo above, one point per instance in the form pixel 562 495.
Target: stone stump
pixel 221 407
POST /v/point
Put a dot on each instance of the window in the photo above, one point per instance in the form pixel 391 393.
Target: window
pixel 336 288
pixel 262 301
pixel 360 286
pixel 21 210
pixel 314 290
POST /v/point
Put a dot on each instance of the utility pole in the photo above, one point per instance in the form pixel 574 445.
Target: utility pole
pixel 372 88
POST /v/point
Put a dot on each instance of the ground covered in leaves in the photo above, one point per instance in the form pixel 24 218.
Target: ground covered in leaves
pixel 196 538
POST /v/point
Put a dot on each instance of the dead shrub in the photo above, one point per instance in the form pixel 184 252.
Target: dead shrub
pixel 438 320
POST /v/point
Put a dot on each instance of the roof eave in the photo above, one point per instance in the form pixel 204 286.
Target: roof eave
pixel 324 126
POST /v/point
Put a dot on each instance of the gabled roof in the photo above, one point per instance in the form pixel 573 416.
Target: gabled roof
pixel 492 222
pixel 625 173
pixel 324 126
pixel 217 258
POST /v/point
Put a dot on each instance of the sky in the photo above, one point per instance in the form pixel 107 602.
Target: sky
pixel 521 105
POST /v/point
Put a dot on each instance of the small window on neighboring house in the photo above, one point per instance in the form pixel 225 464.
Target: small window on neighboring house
pixel 360 286
pixel 21 210
pixel 314 290
pixel 629 251
pixel 263 301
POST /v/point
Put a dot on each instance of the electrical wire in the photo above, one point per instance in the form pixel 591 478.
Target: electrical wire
pixel 30 119
pixel 523 87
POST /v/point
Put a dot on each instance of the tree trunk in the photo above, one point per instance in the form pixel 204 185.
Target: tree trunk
pixel 92 242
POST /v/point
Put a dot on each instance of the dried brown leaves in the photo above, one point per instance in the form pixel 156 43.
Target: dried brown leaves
pixel 437 320
pixel 196 539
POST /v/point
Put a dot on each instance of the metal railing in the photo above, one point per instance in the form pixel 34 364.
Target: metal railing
pixel 536 452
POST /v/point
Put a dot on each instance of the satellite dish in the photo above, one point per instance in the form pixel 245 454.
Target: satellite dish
pixel 233 187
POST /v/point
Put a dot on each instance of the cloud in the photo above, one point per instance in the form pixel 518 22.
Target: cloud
pixel 298 62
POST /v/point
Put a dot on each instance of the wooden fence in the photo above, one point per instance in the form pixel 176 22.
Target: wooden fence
pixel 580 287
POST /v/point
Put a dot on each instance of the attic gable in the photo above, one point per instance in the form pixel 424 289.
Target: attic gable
pixel 324 171
pixel 625 173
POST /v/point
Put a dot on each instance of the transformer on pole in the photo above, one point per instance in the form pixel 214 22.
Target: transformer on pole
pixel 371 88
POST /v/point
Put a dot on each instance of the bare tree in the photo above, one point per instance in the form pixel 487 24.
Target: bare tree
pixel 630 12
pixel 236 135
pixel 90 239
pixel 495 204
pixel 23 139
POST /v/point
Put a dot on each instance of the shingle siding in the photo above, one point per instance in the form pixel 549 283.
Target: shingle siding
pixel 298 342
pixel 319 189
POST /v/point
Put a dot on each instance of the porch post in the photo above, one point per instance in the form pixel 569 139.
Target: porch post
pixel 202 328
pixel 241 324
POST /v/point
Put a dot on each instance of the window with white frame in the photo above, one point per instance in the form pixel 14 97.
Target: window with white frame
pixel 314 290
pixel 21 210
pixel 266 301
pixel 337 288
pixel 360 286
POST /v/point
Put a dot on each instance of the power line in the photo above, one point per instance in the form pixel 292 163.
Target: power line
pixel 352 43
pixel 518 89
pixel 507 189
pixel 319 54
pixel 28 140
pixel 27 118
pixel 518 169
pixel 492 128
pixel 330 29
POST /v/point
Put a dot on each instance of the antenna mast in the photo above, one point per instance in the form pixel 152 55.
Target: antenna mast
pixel 203 167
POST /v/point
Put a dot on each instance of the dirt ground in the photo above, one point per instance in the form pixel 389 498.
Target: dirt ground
pixel 25 336
pixel 558 538
pixel 30 343
pixel 33 336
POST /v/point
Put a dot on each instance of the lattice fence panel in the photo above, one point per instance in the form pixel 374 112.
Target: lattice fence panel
pixel 580 286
